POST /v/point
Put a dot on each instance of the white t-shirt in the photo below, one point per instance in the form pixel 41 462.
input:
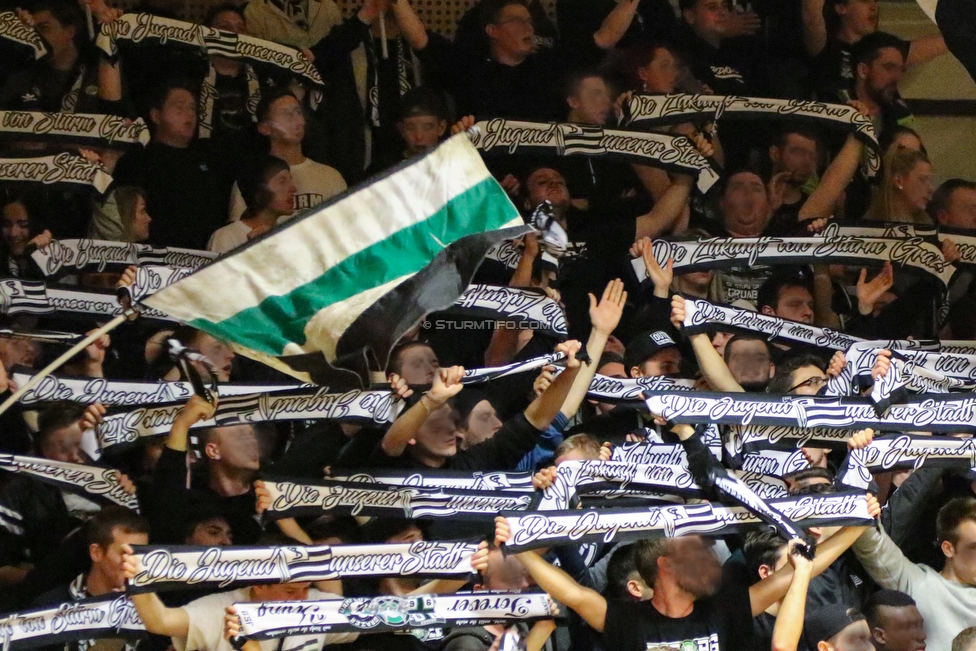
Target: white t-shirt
pixel 206 632
pixel 315 183
pixel 228 237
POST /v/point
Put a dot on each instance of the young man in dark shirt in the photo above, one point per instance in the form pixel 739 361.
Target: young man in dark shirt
pixel 187 182
pixel 514 80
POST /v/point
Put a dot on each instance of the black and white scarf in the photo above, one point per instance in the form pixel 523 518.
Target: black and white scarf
pixel 62 170
pixel 224 568
pixel 456 479
pixel 121 393
pixel 76 255
pixel 648 110
pixel 74 128
pixel 101 484
pixel 948 413
pixel 727 252
pixel 209 94
pixel 369 407
pixel 531 308
pixel 260 621
pixel 138 28
pixel 673 153
pixel 13 29
pixel 408 76
pixel 546 529
pixel 292 499
pixel 107 617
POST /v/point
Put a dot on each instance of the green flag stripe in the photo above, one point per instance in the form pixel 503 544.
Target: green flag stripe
pixel 279 320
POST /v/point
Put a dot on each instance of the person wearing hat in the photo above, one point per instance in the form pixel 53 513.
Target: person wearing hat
pixel 837 628
pixel 652 353
pixel 421 124
pixel 269 192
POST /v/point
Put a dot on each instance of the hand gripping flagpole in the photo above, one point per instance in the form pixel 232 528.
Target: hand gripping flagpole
pixel 129 312
pixel 71 352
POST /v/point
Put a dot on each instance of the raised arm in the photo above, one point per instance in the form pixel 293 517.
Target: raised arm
pixel 836 178
pixel 814 27
pixel 447 384
pixel 925 48
pixel 588 604
pixel 158 618
pixel 195 410
pixel 667 211
pixel 544 408
pixel 712 366
pixel 604 316
pixel 411 27
pixel 616 24
pixel 789 620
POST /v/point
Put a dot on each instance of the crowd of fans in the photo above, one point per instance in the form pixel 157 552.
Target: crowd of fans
pixel 229 165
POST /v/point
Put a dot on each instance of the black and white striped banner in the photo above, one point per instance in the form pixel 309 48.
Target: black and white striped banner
pixel 674 153
pixel 64 169
pixel 223 568
pixel 478 375
pixel 701 314
pixel 828 248
pixel 261 621
pixel 109 617
pixel 13 29
pixel 122 393
pixel 546 529
pixel 905 452
pixel 370 407
pixel 37 298
pixel 137 28
pixel 101 484
pixel 524 307
pixel 950 413
pixel 649 110
pixel 72 256
pixel 74 128
pixel 291 499
pixel 734 490
pixel 457 479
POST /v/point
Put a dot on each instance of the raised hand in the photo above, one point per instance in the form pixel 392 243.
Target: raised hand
pixel 606 451
pixel 605 315
pixel 96 349
pixel 447 384
pixel 868 293
pixel 861 439
pixel 399 387
pixel 263 497
pixel 837 364
pixel 744 23
pixel 130 564
pixel 874 507
pixel 127 484
pixel 881 365
pixel 570 348
pixel 195 410
pixel 232 623
pixel 950 251
pixel 543 380
pixel 128 278
pixel 678 311
pixel 93 416
pixel 463 124
pixel 817 225
pixel 42 239
pixel 796 556
pixel 502 531
pixel 479 560
pixel 544 478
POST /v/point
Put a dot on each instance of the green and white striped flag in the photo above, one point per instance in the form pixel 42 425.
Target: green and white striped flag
pixel 343 283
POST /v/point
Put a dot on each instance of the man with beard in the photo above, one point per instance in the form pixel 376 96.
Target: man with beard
pixel 878 61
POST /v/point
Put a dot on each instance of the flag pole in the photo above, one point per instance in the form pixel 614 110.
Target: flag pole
pixel 71 352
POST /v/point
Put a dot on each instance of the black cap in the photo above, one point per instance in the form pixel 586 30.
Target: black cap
pixel 827 621
pixel 646 344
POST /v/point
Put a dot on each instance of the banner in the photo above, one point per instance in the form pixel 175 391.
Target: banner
pixel 13 29
pixel 107 617
pixel 951 413
pixel 123 393
pixel 454 479
pixel 648 110
pixel 905 452
pixel 224 568
pixel 676 154
pixel 739 494
pixel 550 528
pixel 370 407
pixel 74 128
pixel 73 256
pixel 101 484
pixel 478 375
pixel 64 169
pixel 136 28
pixel 529 307
pixel 261 621
pixel 292 500
pixel 727 252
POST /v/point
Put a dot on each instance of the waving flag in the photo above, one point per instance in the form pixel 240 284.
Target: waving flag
pixel 337 287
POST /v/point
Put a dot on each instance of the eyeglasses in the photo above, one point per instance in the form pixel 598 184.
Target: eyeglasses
pixel 526 22
pixel 817 381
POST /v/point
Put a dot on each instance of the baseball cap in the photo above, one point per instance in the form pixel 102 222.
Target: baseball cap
pixel 827 621
pixel 645 345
